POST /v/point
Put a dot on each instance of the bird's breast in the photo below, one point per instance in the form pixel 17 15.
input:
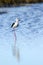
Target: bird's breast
pixel 15 25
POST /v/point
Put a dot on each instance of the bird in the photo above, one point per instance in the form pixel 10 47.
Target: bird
pixel 15 24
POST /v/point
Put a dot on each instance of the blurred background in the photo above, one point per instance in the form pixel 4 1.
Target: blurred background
pixel 9 3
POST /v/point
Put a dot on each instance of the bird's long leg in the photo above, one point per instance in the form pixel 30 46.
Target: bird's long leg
pixel 14 46
pixel 15 38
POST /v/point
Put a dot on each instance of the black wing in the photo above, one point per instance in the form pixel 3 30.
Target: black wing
pixel 12 24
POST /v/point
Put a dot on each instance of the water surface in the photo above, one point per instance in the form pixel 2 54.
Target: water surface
pixel 24 45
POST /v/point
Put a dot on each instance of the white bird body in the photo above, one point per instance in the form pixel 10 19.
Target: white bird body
pixel 14 25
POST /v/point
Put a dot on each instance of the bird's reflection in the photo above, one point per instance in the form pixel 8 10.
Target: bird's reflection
pixel 16 51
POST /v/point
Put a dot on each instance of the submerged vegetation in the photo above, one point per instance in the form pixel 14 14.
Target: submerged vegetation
pixel 17 2
pixel 3 12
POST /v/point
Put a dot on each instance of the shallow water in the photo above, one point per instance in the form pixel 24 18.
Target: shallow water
pixel 24 45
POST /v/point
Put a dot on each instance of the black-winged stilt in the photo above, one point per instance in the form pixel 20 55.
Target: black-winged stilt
pixel 15 24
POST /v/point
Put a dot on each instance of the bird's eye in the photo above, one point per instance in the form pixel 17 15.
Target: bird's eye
pixel 19 19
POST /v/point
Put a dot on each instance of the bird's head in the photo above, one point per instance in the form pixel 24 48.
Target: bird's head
pixel 17 20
